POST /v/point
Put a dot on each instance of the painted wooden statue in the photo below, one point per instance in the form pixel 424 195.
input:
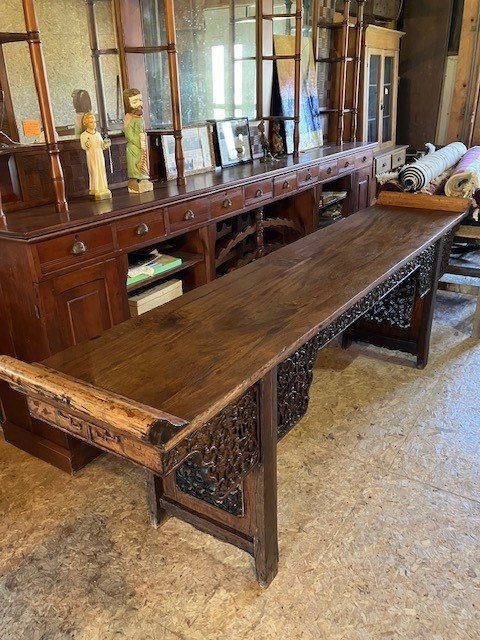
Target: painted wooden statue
pixel 267 154
pixel 277 140
pixel 137 148
pixel 94 145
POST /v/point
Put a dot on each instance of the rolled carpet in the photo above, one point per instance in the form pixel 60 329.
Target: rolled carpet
pixel 465 179
pixel 416 176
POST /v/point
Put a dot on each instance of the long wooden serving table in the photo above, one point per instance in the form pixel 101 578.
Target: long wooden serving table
pixel 199 391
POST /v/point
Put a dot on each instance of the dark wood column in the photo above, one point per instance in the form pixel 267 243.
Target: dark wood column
pixel 43 92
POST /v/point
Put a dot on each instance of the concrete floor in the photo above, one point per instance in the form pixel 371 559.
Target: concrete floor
pixel 379 522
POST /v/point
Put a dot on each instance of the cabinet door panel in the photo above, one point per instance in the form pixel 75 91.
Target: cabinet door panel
pixel 79 306
pixel 373 96
pixel 363 189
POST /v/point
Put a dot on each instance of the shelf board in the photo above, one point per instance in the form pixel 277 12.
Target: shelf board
pixel 331 202
pixel 335 25
pixel 189 260
pixel 6 37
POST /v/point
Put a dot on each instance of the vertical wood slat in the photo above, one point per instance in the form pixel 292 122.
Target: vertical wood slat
pixel 359 32
pixel 45 104
pixel 97 71
pixel 343 73
pixel 297 79
pixel 175 89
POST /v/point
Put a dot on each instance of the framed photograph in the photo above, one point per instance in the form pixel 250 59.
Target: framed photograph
pixel 197 150
pixel 232 141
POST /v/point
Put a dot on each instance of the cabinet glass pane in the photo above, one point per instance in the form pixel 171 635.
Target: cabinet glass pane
pixel 373 98
pixel 216 55
pixel 387 98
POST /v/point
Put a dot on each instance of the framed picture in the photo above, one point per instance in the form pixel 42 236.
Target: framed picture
pixel 232 141
pixel 197 150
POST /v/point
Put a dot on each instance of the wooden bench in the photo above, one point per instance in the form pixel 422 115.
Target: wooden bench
pixel 467 288
pixel 200 390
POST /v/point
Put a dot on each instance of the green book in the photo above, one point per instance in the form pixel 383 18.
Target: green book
pixel 161 264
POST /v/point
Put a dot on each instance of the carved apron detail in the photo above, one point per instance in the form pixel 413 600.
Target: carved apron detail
pixel 295 374
pixel 215 459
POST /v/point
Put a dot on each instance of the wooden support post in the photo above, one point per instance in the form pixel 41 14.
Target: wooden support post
pixel 425 328
pixel 43 93
pixel 97 71
pixel 297 80
pixel 175 89
pixel 156 513
pixel 357 71
pixel 343 74
pixel 265 485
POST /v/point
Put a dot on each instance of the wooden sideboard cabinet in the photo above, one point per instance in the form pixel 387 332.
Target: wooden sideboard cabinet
pixel 63 277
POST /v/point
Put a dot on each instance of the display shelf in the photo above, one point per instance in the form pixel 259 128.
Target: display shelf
pixel 189 260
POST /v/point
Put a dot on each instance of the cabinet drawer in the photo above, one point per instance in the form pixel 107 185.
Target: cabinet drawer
pixel 284 184
pixel 310 174
pixel 383 163
pixel 139 229
pixel 74 248
pixel 258 191
pixel 399 158
pixel 363 159
pixel 346 164
pixel 187 214
pixel 226 202
pixel 328 170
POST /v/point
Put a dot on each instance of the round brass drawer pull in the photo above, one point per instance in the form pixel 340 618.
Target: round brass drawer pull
pixel 286 184
pixel 189 215
pixel 142 229
pixel 308 177
pixel 364 159
pixel 227 203
pixel 258 193
pixel 347 164
pixel 329 171
pixel 78 248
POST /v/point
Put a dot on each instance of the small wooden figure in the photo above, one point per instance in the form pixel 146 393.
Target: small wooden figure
pixel 137 148
pixel 277 141
pixel 267 156
pixel 93 144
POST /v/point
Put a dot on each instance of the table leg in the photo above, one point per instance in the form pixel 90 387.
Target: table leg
pixel 222 479
pixel 157 515
pixel 265 485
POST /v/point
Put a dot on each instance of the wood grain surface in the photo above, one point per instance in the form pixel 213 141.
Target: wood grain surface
pixel 194 355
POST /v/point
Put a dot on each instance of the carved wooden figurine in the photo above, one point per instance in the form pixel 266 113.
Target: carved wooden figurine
pixel 267 156
pixel 137 149
pixel 94 145
pixel 277 141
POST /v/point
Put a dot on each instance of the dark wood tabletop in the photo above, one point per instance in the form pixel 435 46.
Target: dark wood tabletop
pixel 195 354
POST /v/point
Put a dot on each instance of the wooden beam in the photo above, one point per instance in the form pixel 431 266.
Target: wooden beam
pixel 466 58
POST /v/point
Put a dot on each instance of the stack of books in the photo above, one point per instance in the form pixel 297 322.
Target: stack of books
pixel 151 265
pixel 154 297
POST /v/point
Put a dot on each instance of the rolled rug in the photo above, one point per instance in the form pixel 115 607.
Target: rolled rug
pixel 465 179
pixel 416 176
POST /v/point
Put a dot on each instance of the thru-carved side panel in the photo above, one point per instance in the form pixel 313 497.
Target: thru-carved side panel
pixel 295 374
pixel 396 309
pixel 294 377
pixel 213 461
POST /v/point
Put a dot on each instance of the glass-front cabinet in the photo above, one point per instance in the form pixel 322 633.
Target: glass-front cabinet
pixel 381 86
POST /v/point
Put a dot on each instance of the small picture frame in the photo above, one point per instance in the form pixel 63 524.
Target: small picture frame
pixel 232 141
pixel 197 150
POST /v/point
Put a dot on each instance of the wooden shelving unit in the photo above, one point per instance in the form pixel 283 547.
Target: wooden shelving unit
pixel 262 18
pixel 346 27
